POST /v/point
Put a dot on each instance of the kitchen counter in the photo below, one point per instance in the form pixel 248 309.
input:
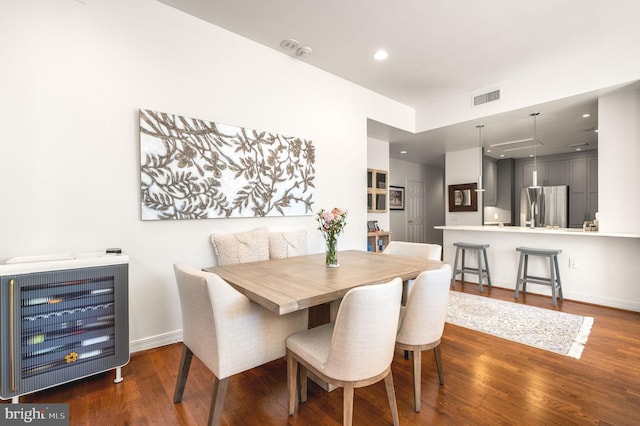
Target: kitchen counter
pixel 595 267
pixel 544 231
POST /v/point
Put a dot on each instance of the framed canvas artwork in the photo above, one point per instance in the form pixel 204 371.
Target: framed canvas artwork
pixel 396 197
pixel 463 198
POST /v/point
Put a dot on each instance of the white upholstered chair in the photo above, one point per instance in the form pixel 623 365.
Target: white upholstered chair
pixel 241 247
pixel 422 322
pixel 403 248
pixel 355 351
pixel 287 243
pixel 226 331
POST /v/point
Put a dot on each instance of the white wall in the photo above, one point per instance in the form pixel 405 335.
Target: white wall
pixel 433 178
pixel 73 76
pixel 378 158
pixel 618 162
pixel 462 167
pixel 595 67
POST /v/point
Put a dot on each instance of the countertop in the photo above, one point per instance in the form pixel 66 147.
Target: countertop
pixel 527 230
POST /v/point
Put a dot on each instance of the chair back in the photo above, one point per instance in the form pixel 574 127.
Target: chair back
pixel 403 248
pixel 224 329
pixel 198 322
pixel 287 244
pixel 422 319
pixel 364 333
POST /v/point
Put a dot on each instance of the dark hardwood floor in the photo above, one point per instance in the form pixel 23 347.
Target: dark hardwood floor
pixel 489 381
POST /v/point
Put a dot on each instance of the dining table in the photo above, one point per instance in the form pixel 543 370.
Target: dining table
pixel 294 283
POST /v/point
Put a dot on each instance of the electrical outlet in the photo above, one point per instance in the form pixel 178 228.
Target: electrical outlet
pixel 572 263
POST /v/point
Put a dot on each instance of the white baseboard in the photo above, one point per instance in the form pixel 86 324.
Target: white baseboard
pixel 545 290
pixel 155 341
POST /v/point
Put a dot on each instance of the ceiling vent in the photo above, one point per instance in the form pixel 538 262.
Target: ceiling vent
pixel 516 145
pixel 484 98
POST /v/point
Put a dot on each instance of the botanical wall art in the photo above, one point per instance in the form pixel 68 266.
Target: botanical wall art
pixel 197 169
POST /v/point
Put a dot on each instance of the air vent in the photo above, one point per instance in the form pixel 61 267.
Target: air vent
pixel 516 145
pixel 483 98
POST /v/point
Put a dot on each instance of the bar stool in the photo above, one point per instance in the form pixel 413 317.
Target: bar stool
pixel 481 250
pixel 554 271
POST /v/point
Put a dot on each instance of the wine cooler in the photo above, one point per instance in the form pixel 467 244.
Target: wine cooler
pixel 61 318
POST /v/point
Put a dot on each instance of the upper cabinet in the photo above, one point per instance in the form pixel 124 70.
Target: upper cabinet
pixel 376 191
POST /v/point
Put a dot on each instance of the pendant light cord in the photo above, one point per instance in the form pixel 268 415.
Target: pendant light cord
pixel 535 150
pixel 535 142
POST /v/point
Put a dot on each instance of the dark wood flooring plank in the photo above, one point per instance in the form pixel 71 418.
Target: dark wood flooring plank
pixel 488 381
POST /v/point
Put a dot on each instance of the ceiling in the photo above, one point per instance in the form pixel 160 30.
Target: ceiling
pixel 438 49
pixel 559 125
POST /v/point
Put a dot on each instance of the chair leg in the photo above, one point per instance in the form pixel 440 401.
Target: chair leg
pixel 463 264
pixel 391 395
pixel 552 278
pixel 480 269
pixel 455 267
pixel 220 387
pixel 292 382
pixel 555 262
pixel 526 273
pixel 417 379
pixel 183 372
pixel 486 265
pixel 438 356
pixel 347 408
pixel 303 379
pixel 518 279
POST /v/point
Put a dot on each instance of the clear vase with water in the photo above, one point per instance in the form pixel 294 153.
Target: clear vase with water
pixel 331 259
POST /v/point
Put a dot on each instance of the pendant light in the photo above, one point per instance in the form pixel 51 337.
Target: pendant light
pixel 535 146
pixel 479 188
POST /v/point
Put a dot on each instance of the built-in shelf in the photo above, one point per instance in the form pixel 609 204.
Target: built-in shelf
pixel 376 191
pixel 377 241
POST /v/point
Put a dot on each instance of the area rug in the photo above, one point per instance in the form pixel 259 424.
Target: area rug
pixel 554 331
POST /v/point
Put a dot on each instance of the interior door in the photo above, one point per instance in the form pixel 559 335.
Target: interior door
pixel 415 212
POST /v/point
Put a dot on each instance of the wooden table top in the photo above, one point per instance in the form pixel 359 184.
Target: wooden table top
pixel 295 283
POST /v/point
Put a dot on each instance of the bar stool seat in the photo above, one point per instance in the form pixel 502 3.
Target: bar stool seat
pixel 481 250
pixel 554 271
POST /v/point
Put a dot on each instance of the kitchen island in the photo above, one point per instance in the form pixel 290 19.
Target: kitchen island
pixel 595 267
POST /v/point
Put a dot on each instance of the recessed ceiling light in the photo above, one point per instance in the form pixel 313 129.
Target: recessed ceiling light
pixel 501 155
pixel 289 44
pixel 579 146
pixel 586 115
pixel 303 51
pixel 488 150
pixel 403 152
pixel 530 155
pixel 596 130
pixel 381 55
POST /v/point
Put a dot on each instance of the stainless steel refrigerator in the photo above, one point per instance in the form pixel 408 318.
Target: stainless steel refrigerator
pixel 549 204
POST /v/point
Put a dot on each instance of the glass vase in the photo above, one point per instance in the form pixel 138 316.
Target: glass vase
pixel 331 259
